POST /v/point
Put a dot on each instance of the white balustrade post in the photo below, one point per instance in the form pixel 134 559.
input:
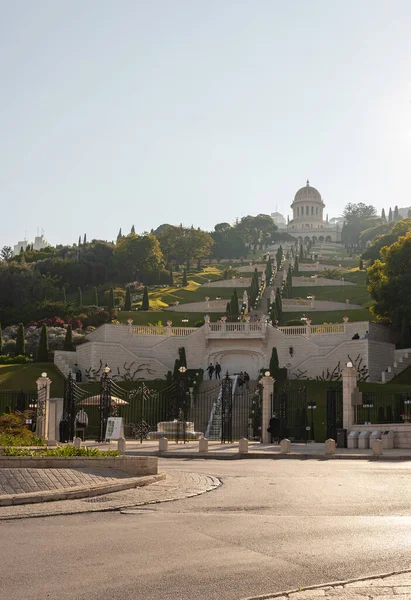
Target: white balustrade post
pixel 349 379
pixel 169 323
pixel 268 391
pixel 43 406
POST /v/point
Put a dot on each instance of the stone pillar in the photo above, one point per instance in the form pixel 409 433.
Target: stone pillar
pixel 349 378
pixel 121 445
pixel 243 446
pixel 43 400
pixel 329 447
pixel 77 442
pixel 203 445
pixel 268 390
pixel 377 447
pixel 163 445
pixel 285 446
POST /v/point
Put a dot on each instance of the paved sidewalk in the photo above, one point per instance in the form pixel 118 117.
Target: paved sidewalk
pixel 21 481
pixel 395 587
pixel 255 450
pixel 176 486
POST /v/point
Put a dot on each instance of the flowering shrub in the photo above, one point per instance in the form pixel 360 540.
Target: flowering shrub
pixel 58 322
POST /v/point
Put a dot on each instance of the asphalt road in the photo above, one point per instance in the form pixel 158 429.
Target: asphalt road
pixel 272 526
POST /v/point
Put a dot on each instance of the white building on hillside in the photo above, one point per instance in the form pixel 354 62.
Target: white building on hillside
pixel 39 243
pixel 308 223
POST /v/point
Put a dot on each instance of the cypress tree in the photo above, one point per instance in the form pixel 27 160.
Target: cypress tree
pixel 383 215
pixel 228 309
pixel 396 216
pixel 182 357
pixel 119 235
pixel 390 216
pixel 1 340
pixel 185 282
pixel 268 271
pixel 133 229
pixel 64 296
pixel 68 341
pixel 110 300
pixel 234 304
pixel 273 313
pixel 85 239
pixel 145 305
pixel 278 306
pixel 127 302
pixel 171 277
pixel 95 296
pixel 274 364
pixel 296 265
pixel 79 297
pixel 301 253
pixel 21 341
pixel 79 240
pixel 43 349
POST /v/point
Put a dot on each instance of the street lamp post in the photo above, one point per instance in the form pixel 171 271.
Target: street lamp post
pixel 312 407
pixel 105 401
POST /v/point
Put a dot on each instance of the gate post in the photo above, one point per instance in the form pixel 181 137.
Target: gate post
pixel 349 378
pixel 43 406
pixel 268 391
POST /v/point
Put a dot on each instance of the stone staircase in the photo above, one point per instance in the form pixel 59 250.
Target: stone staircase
pixel 401 362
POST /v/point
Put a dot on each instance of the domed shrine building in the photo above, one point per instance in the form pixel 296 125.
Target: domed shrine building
pixel 308 222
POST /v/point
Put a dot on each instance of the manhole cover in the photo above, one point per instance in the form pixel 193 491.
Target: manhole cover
pixel 97 499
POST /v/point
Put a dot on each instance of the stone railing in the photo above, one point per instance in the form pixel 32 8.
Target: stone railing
pixel 246 329
pixel 298 302
pixel 313 329
pixel 162 330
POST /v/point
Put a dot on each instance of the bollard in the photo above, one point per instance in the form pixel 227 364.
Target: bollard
pixel 329 447
pixel 203 445
pixel 243 446
pixel 285 446
pixel 377 447
pixel 163 444
pixel 121 445
pixel 77 442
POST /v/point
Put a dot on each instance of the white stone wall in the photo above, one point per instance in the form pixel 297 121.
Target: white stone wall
pixel 313 354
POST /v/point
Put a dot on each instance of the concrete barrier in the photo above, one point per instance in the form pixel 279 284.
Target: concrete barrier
pixel 329 447
pixel 243 446
pixel 285 446
pixel 203 445
pixel 163 444
pixel 377 447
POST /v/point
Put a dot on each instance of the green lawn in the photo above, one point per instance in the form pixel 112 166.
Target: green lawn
pixel 23 377
pixel 332 316
pixel 356 295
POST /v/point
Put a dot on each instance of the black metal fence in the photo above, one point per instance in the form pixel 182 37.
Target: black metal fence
pixel 383 407
pixel 22 401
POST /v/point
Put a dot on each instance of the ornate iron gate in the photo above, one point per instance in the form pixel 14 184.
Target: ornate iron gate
pixel 290 408
pixel 334 411
pixel 226 410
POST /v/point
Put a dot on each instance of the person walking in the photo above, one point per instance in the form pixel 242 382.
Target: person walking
pixel 217 370
pixel 210 370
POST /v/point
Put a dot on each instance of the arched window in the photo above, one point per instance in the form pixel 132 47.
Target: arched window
pixel 312 210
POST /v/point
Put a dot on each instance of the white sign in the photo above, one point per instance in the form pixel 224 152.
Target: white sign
pixel 114 429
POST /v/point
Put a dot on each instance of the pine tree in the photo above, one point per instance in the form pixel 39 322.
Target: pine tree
pixel 383 215
pixel 145 305
pixel 390 216
pixel 79 297
pixel 68 341
pixel 43 348
pixel 301 257
pixel 127 301
pixel 171 277
pixel 274 364
pixel 1 340
pixel 119 235
pixel 110 300
pixel 234 304
pixel 182 357
pixel 95 296
pixel 396 216
pixel 85 239
pixel 133 229
pixel 20 341
pixel 64 296
pixel 185 282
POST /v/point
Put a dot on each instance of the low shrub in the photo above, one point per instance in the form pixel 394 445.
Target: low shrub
pixel 13 360
pixel 14 430
pixel 61 451
pixel 21 440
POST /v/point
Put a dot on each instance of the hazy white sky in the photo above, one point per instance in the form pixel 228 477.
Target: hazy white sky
pixel 114 112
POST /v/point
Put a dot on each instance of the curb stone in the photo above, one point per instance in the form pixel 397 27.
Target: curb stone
pixel 43 512
pixel 272 456
pixel 328 585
